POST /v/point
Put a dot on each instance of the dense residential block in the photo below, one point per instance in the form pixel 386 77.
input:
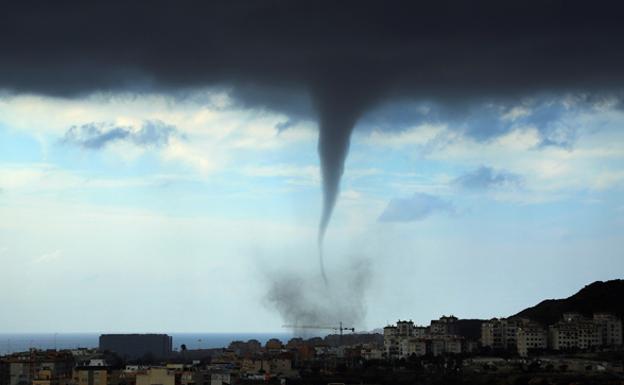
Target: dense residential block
pixel 406 339
pixel 572 332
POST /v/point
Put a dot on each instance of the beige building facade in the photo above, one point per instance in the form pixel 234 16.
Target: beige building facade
pixel 531 337
pixel 156 376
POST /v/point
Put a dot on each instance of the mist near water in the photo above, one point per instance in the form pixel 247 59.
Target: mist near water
pixel 303 299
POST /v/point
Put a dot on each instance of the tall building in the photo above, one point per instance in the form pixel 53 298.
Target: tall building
pixel 135 346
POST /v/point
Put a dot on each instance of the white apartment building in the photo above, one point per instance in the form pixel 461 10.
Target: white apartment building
pixel 452 344
pixel 501 333
pixel 531 336
pixel 391 341
pixel 406 339
pixel 446 325
pixel 405 328
pixel 574 332
pixel 416 346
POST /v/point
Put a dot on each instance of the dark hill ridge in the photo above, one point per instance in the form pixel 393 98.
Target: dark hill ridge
pixel 607 297
pixel 597 297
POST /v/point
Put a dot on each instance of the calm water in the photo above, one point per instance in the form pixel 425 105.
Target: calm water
pixel 18 342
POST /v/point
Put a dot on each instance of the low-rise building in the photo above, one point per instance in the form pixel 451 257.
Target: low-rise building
pixel 91 375
pixel 222 377
pixel 156 376
pixel 274 345
pixel 4 372
pixel 47 367
pixel 45 376
pixel 371 353
pixel 275 366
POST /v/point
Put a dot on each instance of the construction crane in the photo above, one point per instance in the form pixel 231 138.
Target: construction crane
pixel 339 328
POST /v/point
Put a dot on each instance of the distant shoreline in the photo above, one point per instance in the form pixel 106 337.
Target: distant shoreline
pixel 19 342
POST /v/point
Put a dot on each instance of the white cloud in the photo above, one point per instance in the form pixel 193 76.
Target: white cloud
pixel 519 139
pixel 607 179
pixel 350 195
pixel 283 170
pixel 593 162
pixel 47 257
pixel 205 160
pixel 213 124
pixel 516 113
pixel 19 179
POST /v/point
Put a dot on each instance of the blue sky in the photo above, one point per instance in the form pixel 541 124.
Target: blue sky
pixel 122 212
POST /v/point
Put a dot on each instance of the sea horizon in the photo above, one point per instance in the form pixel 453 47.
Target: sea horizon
pixel 23 341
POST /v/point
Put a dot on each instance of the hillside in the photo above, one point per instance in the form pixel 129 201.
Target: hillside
pixel 597 297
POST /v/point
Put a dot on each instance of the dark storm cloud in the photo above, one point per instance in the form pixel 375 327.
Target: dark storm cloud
pixel 433 49
pixel 486 177
pixel 94 136
pixel 418 207
pixel 347 56
pixel 552 117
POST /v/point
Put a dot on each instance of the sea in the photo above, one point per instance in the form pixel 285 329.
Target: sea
pixel 20 342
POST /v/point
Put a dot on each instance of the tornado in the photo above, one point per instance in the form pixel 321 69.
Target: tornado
pixel 339 108
pixel 333 147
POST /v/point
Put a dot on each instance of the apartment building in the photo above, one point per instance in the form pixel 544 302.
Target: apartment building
pixel 405 339
pixel 501 333
pixel 531 337
pixel 610 329
pixel 574 332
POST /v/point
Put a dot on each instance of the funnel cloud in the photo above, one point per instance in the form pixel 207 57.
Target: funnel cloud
pixel 348 56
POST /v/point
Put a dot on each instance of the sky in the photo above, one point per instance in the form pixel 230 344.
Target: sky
pixel 124 212
pixel 238 166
